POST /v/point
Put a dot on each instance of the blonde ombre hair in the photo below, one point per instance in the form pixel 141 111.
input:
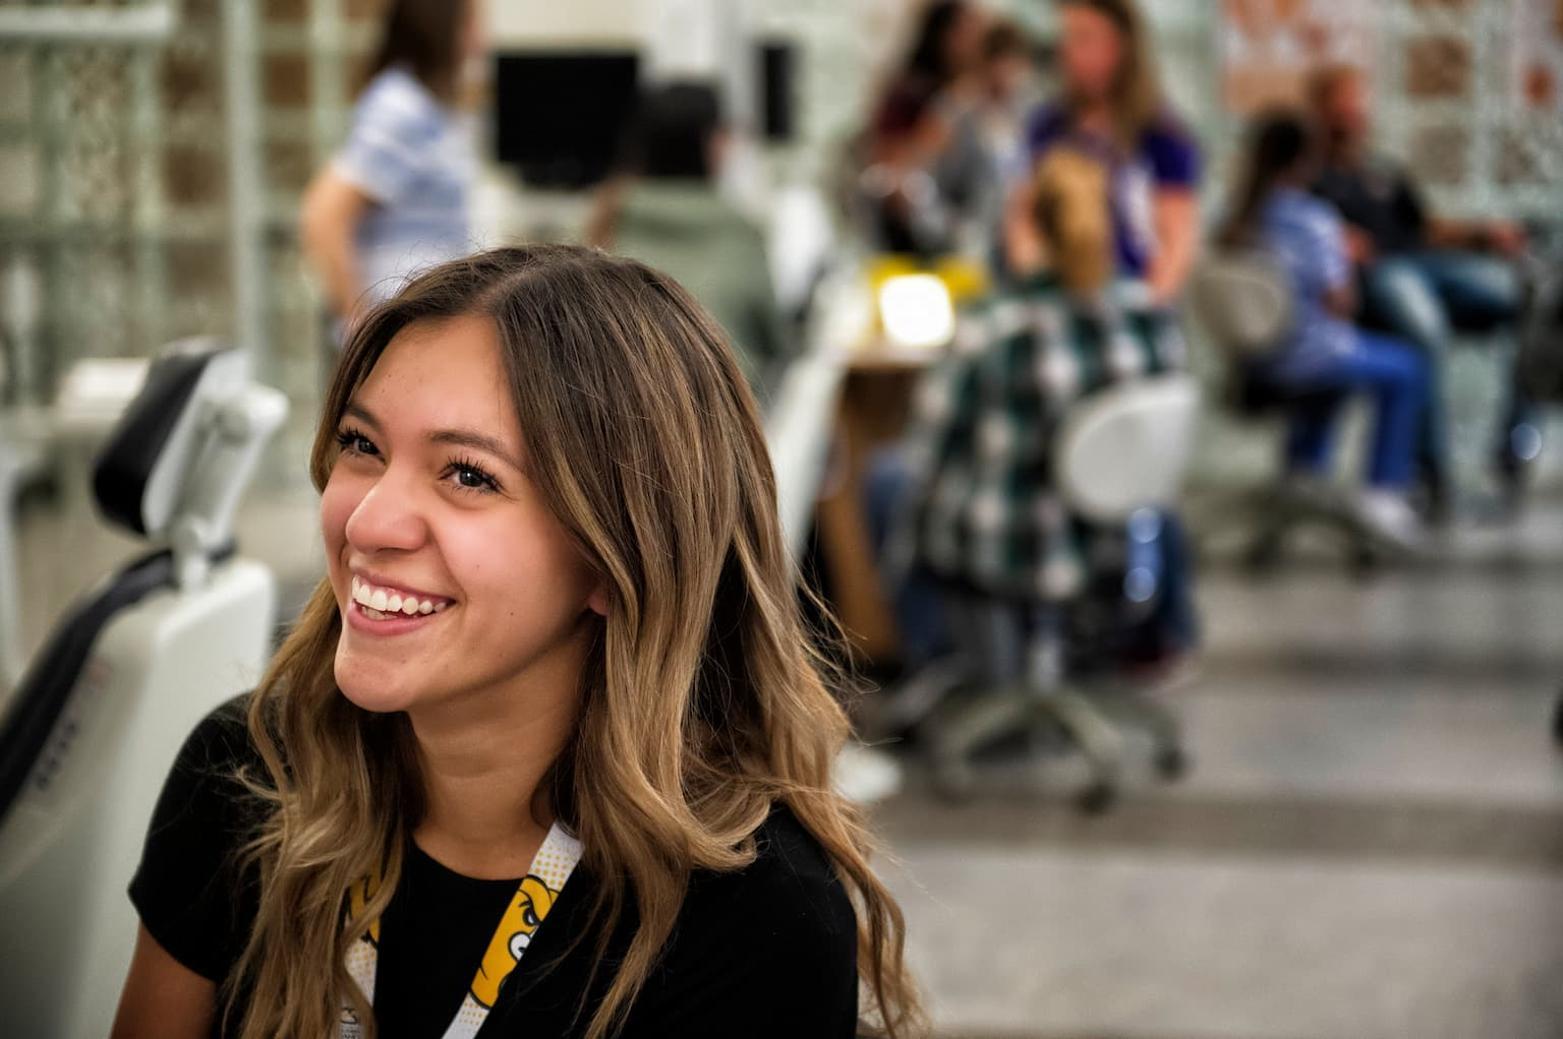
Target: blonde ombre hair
pixel 704 700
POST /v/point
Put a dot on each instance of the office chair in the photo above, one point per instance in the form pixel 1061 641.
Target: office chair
pixel 1242 300
pixel 1119 457
pixel 88 735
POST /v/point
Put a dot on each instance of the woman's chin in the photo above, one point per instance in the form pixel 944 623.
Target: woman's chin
pixel 375 689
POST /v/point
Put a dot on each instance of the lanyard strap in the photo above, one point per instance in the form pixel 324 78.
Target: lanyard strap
pixel 524 914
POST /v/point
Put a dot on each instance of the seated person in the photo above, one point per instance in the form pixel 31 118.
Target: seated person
pixel 668 213
pixel 983 513
pixel 1420 275
pixel 1323 353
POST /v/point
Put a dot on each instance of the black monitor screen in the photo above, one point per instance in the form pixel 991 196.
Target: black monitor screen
pixel 561 115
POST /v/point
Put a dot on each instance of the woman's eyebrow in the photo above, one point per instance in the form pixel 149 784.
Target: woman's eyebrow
pixel 479 441
pixel 361 413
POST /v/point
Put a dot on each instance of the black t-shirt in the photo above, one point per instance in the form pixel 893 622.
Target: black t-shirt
pixel 1379 197
pixel 769 950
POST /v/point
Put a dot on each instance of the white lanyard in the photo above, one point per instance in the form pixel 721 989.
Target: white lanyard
pixel 534 897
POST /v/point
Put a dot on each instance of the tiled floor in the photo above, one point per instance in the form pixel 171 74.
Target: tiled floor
pixel 1371 844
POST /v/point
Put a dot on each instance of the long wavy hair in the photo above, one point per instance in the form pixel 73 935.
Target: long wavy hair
pixel 1137 100
pixel 705 699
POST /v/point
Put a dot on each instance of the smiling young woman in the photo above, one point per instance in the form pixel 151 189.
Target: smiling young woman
pixel 553 698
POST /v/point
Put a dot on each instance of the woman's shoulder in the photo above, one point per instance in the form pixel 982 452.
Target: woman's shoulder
pixel 191 888
pixel 791 889
pixel 395 95
pixel 773 944
pixel 219 748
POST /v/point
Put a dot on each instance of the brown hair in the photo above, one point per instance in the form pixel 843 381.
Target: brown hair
pixel 1136 98
pixel 424 36
pixel 704 700
pixel 1005 39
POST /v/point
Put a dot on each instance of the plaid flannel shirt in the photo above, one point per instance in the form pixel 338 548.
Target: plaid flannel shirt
pixel 982 511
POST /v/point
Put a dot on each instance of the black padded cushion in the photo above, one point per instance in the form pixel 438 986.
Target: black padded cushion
pixel 126 463
pixel 38 701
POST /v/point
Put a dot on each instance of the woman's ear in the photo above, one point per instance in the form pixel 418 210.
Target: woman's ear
pixel 597 601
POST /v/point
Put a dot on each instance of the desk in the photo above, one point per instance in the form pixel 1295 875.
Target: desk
pixel 875 403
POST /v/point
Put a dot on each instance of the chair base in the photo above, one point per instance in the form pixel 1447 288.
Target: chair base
pixel 1091 723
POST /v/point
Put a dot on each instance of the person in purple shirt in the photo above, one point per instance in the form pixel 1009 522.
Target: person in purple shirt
pixel 1112 111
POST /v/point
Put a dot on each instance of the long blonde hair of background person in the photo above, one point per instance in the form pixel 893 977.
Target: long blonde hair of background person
pixel 704 699
pixel 1137 98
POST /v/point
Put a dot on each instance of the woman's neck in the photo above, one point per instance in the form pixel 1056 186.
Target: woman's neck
pixel 1096 116
pixel 483 760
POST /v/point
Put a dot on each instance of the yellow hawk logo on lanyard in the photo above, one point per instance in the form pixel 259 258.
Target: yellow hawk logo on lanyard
pixel 524 915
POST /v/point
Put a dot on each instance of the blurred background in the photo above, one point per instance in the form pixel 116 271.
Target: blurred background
pixel 1074 324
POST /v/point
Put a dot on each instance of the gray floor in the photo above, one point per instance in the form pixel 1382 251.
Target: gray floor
pixel 1371 844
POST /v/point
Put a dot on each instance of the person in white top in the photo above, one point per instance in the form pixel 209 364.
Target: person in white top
pixel 395 198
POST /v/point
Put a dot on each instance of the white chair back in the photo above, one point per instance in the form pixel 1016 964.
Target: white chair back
pixel 1127 448
pixel 1242 298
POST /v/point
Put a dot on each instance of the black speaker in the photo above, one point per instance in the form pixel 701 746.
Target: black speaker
pixel 778 104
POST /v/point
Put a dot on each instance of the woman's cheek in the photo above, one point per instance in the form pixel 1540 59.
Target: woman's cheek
pixel 337 503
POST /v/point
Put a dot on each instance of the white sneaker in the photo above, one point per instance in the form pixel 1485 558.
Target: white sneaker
pixel 866 774
pixel 1388 515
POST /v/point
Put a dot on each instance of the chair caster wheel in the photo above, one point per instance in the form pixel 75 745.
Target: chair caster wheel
pixel 1172 763
pixel 1097 798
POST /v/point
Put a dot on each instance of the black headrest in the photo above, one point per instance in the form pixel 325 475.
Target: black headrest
pixel 137 472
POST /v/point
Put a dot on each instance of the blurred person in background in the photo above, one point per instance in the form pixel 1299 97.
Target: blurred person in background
pixel 667 211
pixel 1324 354
pixel 1421 275
pixel 978 515
pixel 1112 110
pixel 396 198
pixel 925 170
pixel 1007 82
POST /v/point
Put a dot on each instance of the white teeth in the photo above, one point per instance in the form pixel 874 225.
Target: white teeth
pixel 380 603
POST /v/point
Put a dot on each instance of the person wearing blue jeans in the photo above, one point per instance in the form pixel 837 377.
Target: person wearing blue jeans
pixel 1323 358
pixel 1423 297
pixel 1396 378
pixel 1421 277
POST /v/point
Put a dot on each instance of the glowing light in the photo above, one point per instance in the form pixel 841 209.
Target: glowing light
pixel 916 311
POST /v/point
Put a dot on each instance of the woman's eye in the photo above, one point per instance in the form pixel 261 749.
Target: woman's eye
pixel 470 477
pixel 356 443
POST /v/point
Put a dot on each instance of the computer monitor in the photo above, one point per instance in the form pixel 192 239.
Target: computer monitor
pixel 561 116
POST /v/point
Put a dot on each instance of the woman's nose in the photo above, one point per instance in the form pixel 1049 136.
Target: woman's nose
pixel 389 517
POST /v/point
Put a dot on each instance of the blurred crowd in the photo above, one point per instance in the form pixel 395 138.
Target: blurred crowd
pixel 1065 183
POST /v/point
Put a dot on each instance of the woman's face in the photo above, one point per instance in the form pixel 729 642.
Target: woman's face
pixel 452 576
pixel 1090 51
